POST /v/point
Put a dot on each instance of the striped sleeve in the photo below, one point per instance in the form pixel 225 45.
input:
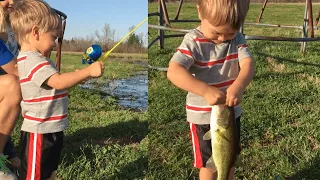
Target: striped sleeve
pixel 40 69
pixel 243 50
pixel 186 52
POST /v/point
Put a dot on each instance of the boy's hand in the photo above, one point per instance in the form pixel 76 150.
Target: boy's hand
pixel 234 95
pixel 214 96
pixel 96 69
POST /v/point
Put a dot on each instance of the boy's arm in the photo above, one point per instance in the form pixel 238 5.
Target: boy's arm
pixel 181 77
pixel 246 73
pixel 67 80
pixel 236 90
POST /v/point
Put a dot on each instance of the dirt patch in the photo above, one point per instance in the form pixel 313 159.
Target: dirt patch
pixel 310 78
pixel 274 66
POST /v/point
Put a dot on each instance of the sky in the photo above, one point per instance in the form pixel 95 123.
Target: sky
pixel 85 17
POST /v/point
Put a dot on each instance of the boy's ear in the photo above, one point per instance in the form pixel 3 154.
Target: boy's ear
pixel 199 15
pixel 35 32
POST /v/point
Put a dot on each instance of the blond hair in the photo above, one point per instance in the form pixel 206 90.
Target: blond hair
pixel 3 22
pixel 29 13
pixel 222 12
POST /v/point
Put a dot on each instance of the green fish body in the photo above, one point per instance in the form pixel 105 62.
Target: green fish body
pixel 224 140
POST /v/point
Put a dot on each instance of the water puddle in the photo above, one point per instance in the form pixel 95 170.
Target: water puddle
pixel 130 92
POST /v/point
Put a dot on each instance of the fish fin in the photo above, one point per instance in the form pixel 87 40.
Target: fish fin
pixel 210 163
pixel 238 161
pixel 207 136
pixel 223 136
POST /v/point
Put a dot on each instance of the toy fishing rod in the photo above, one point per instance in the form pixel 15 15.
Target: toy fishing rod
pixel 93 53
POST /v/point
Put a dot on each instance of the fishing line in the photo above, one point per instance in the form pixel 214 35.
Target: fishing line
pixel 105 56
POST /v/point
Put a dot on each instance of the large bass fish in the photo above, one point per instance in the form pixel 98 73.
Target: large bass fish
pixel 224 140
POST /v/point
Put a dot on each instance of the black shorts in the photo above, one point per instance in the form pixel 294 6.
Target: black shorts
pixel 202 150
pixel 40 154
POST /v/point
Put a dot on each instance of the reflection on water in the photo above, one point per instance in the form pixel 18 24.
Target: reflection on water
pixel 131 92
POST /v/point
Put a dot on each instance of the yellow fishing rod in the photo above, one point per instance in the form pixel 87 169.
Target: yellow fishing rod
pixel 105 55
pixel 93 53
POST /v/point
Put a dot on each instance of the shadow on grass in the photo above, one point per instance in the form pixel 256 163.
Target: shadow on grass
pixel 278 75
pixel 311 172
pixel 281 60
pixel 122 133
pixel 132 170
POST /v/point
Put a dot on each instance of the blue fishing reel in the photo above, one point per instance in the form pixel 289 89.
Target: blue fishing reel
pixel 92 54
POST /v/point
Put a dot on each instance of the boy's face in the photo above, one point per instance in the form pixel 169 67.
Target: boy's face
pixel 47 41
pixel 7 5
pixel 218 34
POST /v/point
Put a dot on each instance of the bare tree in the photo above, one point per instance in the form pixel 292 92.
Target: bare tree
pixel 141 35
pixel 105 38
pixel 113 36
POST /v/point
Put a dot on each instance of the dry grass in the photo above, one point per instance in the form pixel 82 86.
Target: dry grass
pixel 274 66
pixel 311 78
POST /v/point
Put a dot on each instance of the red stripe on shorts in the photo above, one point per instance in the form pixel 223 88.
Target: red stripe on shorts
pixel 196 146
pixel 34 163
pixel 37 174
pixel 30 155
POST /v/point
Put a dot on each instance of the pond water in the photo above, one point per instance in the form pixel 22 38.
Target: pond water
pixel 130 92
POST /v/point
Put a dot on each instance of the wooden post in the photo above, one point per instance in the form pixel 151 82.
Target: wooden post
pixel 161 23
pixel 310 18
pixel 178 10
pixel 60 40
pixel 261 12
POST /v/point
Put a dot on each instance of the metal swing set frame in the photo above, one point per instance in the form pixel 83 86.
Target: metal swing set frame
pixel 63 18
pixel 164 24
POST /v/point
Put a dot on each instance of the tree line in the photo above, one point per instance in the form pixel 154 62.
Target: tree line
pixel 106 38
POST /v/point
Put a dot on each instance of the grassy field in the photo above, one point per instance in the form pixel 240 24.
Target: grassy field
pixel 280 127
pixel 104 140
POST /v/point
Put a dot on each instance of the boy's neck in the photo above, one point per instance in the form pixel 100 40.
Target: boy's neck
pixel 28 47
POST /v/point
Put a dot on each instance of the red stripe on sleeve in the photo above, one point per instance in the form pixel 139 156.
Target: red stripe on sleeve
pixel 185 52
pixel 33 71
pixel 21 59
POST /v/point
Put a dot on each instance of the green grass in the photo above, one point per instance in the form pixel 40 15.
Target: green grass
pixel 280 127
pixel 103 140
